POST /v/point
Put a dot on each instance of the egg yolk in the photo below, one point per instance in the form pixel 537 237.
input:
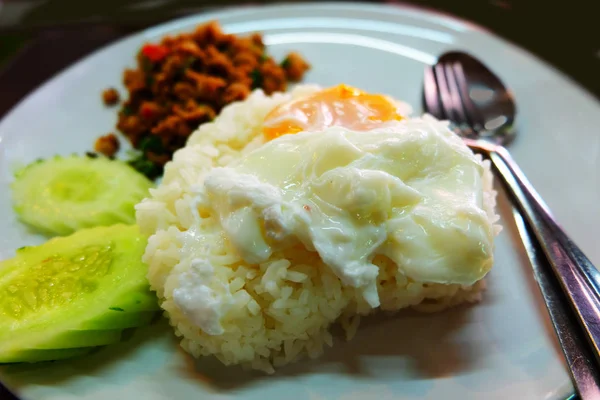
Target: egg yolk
pixel 340 105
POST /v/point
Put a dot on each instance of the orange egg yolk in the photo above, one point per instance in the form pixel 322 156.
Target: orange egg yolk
pixel 340 105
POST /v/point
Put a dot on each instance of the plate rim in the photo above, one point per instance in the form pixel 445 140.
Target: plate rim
pixel 427 13
pixel 423 13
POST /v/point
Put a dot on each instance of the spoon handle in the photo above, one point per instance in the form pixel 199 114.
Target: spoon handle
pixel 585 372
pixel 578 277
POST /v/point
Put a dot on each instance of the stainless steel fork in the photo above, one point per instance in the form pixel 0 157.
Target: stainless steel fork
pixel 461 89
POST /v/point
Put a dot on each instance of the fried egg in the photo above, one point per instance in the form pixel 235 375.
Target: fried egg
pixel 341 105
pixel 293 211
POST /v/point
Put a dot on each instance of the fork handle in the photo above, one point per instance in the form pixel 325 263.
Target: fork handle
pixel 578 277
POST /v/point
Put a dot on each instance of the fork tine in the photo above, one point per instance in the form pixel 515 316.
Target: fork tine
pixel 445 97
pixel 431 96
pixel 472 115
pixel 455 96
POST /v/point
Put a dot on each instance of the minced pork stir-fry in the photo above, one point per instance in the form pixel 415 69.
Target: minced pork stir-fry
pixel 186 80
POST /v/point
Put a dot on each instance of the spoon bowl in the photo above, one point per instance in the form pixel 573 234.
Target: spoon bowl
pixel 463 90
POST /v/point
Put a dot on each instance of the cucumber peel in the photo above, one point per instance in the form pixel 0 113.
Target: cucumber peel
pixel 80 338
pixel 32 356
pixel 73 292
pixel 61 195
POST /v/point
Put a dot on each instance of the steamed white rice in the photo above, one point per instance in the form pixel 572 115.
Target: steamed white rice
pixel 281 309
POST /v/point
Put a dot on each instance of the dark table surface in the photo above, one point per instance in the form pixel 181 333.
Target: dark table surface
pixel 38 38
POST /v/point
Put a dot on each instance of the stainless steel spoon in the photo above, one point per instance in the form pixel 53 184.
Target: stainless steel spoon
pixel 461 89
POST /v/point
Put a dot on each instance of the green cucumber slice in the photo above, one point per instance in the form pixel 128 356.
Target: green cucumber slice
pixel 31 356
pixel 120 320
pixel 80 338
pixel 61 195
pixel 69 290
pixel 64 345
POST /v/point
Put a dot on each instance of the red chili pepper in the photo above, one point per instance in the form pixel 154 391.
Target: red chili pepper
pixel 147 111
pixel 154 52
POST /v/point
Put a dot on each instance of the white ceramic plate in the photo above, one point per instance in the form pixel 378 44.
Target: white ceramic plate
pixel 503 348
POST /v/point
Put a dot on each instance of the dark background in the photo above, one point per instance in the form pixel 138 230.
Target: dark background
pixel 38 38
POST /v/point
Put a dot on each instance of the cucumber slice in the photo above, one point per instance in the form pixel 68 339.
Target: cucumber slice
pixel 69 291
pixel 135 302
pixel 120 320
pixel 61 195
pixel 80 338
pixel 31 356
pixel 65 345
pixel 133 310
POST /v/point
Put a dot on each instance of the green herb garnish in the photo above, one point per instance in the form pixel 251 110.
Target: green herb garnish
pixel 144 166
pixel 185 66
pixel 146 64
pixel 285 63
pixel 257 78
pixel 188 62
pixel 151 143
pixel 149 81
pixel 116 308
pixel 127 110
